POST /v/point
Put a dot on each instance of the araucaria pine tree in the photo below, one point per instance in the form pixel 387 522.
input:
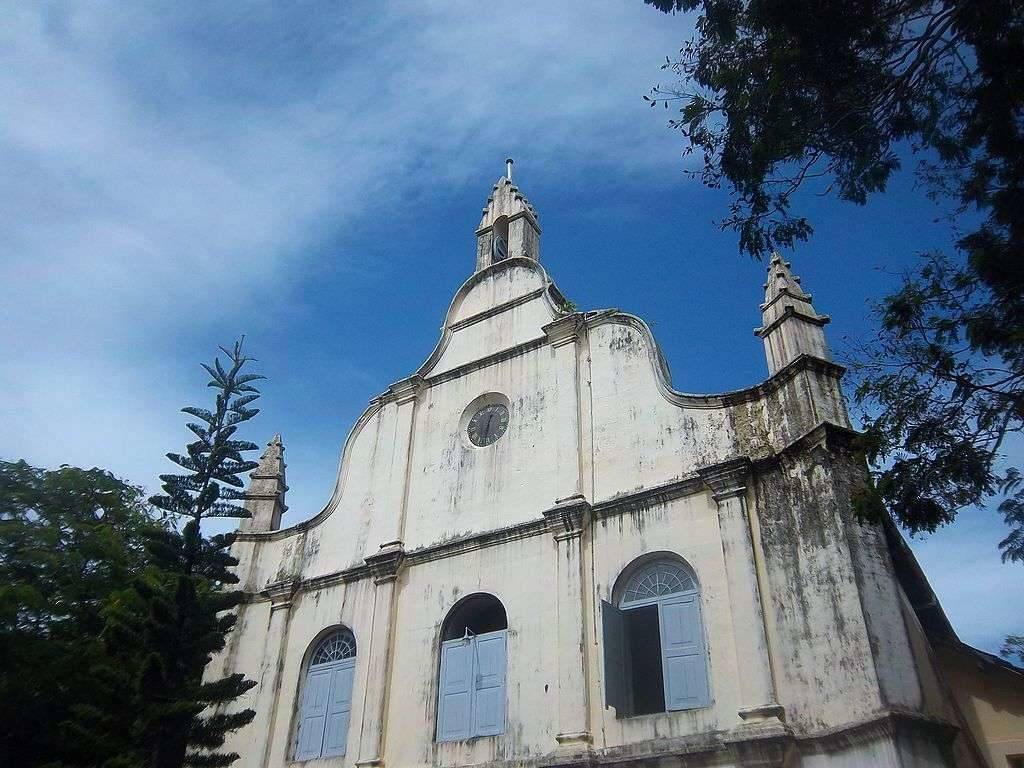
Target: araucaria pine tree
pixel 177 613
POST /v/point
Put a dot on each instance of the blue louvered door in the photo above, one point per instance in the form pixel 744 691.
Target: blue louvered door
pixel 313 716
pixel 489 684
pixel 616 692
pixel 455 691
pixel 339 709
pixel 684 663
pixel 471 692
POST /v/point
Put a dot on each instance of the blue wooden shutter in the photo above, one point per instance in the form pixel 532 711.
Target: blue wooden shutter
pixel 683 659
pixel 313 717
pixel 489 684
pixel 339 709
pixel 455 692
pixel 615 692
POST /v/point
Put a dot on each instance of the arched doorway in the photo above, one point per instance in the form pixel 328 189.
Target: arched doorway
pixel 471 687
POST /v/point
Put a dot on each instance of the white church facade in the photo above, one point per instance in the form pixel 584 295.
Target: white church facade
pixel 538 553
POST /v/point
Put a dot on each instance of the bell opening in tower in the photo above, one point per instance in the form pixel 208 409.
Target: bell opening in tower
pixel 499 239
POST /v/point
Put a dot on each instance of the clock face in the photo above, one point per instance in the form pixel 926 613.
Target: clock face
pixel 488 424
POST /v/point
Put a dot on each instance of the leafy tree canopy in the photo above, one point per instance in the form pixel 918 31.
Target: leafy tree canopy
pixel 69 540
pixel 777 94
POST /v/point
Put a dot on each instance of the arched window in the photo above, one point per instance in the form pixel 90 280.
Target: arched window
pixel 471 689
pixel 654 653
pixel 499 239
pixel 327 698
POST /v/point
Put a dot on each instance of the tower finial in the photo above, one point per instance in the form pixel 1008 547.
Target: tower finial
pixel 790 326
pixel 508 168
pixel 264 499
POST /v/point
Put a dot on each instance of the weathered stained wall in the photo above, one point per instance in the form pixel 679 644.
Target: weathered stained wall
pixel 802 614
pixel 819 630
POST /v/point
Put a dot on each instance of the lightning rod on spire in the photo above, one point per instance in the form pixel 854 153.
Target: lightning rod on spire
pixel 508 168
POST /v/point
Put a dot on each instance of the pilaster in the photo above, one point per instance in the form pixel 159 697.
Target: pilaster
pixel 264 725
pixel 384 567
pixel 728 485
pixel 404 394
pixel 567 521
pixel 562 335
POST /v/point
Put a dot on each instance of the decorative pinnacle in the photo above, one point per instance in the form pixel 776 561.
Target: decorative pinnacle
pixel 782 280
pixel 508 168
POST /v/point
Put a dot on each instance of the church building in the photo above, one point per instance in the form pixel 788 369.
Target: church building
pixel 539 553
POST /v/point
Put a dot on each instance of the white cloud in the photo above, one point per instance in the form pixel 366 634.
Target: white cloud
pixel 156 156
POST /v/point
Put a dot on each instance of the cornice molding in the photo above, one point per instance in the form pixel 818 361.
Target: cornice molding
pixel 824 438
pixel 564 330
pixel 498 309
pixel 384 565
pixel 804 297
pixel 728 479
pixel 485 362
pixel 569 516
pixel 658 494
pixel 477 541
pixel 403 390
pixel 791 312
pixel 280 593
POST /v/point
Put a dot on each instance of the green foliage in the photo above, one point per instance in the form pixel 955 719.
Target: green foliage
pixel 213 462
pixel 69 540
pixel 946 391
pixel 154 709
pixel 775 95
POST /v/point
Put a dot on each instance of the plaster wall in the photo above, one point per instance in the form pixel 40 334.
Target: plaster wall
pixel 640 439
pixel 592 413
pixel 495 288
pixel 270 739
pixel 823 655
pixel 517 325
pixel 520 573
pixel 687 528
pixel 456 489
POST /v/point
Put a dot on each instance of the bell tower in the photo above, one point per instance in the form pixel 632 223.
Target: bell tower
pixel 508 227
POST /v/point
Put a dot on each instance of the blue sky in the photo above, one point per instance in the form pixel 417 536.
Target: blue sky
pixel 310 174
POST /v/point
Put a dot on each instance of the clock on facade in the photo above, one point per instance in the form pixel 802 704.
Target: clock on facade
pixel 487 424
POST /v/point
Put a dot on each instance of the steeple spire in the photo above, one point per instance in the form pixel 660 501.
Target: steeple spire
pixel 790 326
pixel 265 498
pixel 508 227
